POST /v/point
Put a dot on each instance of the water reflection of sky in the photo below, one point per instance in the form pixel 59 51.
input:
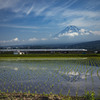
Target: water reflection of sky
pixel 64 74
pixel 83 75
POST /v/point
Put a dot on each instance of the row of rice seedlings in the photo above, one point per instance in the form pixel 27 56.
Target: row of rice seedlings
pixel 87 69
pixel 29 75
pixel 37 74
pixel 54 76
pixel 98 70
pixel 94 68
pixel 70 75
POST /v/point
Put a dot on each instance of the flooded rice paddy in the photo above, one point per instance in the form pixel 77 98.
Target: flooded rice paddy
pixel 50 75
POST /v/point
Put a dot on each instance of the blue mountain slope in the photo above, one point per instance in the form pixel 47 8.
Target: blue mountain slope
pixel 73 34
pixel 71 31
pixel 92 45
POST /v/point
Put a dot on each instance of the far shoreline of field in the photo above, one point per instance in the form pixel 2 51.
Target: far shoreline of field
pixel 56 55
pixel 48 56
pixel 34 96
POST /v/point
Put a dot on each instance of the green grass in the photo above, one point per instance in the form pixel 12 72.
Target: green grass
pixel 51 55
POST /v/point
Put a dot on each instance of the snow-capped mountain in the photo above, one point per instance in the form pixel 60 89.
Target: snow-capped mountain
pixel 73 34
pixel 72 31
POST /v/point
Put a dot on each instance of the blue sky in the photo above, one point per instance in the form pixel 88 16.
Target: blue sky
pixel 36 21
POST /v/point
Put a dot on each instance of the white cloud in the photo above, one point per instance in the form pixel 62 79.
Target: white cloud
pixel 82 30
pixel 55 38
pixel 71 33
pixel 82 18
pixel 34 8
pixel 40 10
pixel 22 7
pixel 81 22
pixel 15 39
pixel 10 41
pixel 36 39
pixel 18 26
pixel 68 34
pixel 33 39
pixel 96 32
pixel 8 3
pixel 43 39
pixel 92 4
pixel 86 33
pixel 46 8
pixel 29 11
pixel 83 13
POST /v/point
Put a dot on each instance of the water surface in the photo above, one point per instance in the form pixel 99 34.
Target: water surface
pixel 50 75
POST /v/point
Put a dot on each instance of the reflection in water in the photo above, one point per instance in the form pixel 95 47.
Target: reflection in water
pixel 56 76
pixel 16 69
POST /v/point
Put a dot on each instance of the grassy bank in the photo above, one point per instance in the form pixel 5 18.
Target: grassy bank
pixel 50 55
pixel 32 96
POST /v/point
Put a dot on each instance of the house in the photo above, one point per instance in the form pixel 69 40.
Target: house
pixel 18 52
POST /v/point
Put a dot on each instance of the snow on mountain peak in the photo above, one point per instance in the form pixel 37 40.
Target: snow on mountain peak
pixel 72 31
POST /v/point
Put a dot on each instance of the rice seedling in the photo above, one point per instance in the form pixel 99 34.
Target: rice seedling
pixel 49 76
pixel 98 73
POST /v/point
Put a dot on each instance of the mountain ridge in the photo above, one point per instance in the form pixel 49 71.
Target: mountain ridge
pixel 72 31
pixel 91 46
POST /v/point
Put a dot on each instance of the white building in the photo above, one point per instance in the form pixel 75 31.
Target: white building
pixel 18 52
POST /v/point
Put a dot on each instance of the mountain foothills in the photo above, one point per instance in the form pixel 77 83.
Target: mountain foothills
pixel 91 46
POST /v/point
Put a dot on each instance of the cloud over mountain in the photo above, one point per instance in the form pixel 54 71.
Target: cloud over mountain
pixel 72 31
pixel 72 34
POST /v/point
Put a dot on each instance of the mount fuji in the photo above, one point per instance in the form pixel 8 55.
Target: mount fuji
pixel 72 34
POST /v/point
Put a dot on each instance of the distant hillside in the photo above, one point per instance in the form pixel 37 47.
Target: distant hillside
pixel 47 46
pixel 93 45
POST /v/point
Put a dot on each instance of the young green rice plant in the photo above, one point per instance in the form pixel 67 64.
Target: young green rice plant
pixel 92 96
pixel 91 75
pixel 7 90
pixel 4 89
pixel 60 93
pixel 69 98
pixel 98 73
pixel 89 95
pixel 20 91
pixel 44 93
pixel 76 94
pixel 51 93
pixel 35 92
pixel 86 74
pixel 68 94
pixel 14 91
pixel 29 91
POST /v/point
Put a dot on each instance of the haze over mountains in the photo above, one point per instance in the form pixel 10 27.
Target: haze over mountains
pixel 92 46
